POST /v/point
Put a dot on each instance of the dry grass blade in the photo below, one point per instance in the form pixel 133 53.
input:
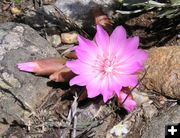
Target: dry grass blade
pixel 72 117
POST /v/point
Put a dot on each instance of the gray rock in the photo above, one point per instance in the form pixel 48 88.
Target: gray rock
pixel 79 11
pixel 156 128
pixel 20 92
pixel 134 1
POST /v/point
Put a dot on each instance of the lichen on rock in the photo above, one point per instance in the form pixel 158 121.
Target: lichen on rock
pixel 21 92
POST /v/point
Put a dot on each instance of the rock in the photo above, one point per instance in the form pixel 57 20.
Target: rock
pixel 48 2
pixel 15 11
pixel 20 92
pixel 92 116
pixel 79 11
pixel 140 97
pixel 55 40
pixel 134 1
pixel 156 128
pixel 149 110
pixel 48 18
pixel 69 38
pixel 3 128
pixel 131 126
pixel 68 15
pixel 163 72
pixel 137 124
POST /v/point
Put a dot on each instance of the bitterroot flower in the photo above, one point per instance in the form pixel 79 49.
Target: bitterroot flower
pixel 107 63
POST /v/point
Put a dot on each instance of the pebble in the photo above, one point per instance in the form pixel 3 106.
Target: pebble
pixel 55 40
pixel 69 38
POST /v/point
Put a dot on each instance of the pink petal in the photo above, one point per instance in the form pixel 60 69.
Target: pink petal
pixel 129 103
pixel 93 89
pixel 107 94
pixel 79 67
pixel 129 68
pixel 117 39
pixel 128 47
pixel 128 80
pixel 87 50
pixel 85 56
pixel 74 66
pixel 139 56
pixel 115 85
pixel 132 43
pixel 86 45
pixel 106 90
pixel 119 33
pixel 83 79
pixel 104 82
pixel 117 89
pixel 102 38
pixel 79 80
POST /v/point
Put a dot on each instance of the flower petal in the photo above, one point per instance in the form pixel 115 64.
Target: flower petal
pixel 93 89
pixel 115 85
pixel 119 33
pixel 129 103
pixel 128 80
pixel 132 43
pixel 128 48
pixel 129 68
pixel 79 80
pixel 107 94
pixel 117 39
pixel 79 67
pixel 86 45
pixel 139 56
pixel 74 66
pixel 85 56
pixel 106 90
pixel 102 38
pixel 86 50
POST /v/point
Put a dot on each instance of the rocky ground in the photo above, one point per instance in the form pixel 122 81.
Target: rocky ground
pixel 33 106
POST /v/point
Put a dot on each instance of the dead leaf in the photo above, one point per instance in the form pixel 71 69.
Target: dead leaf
pixel 71 55
pixel 102 19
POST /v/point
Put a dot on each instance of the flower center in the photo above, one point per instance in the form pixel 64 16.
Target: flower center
pixel 109 64
pixel 106 65
pixel 108 69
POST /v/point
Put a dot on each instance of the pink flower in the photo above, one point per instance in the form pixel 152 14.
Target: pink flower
pixel 107 63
